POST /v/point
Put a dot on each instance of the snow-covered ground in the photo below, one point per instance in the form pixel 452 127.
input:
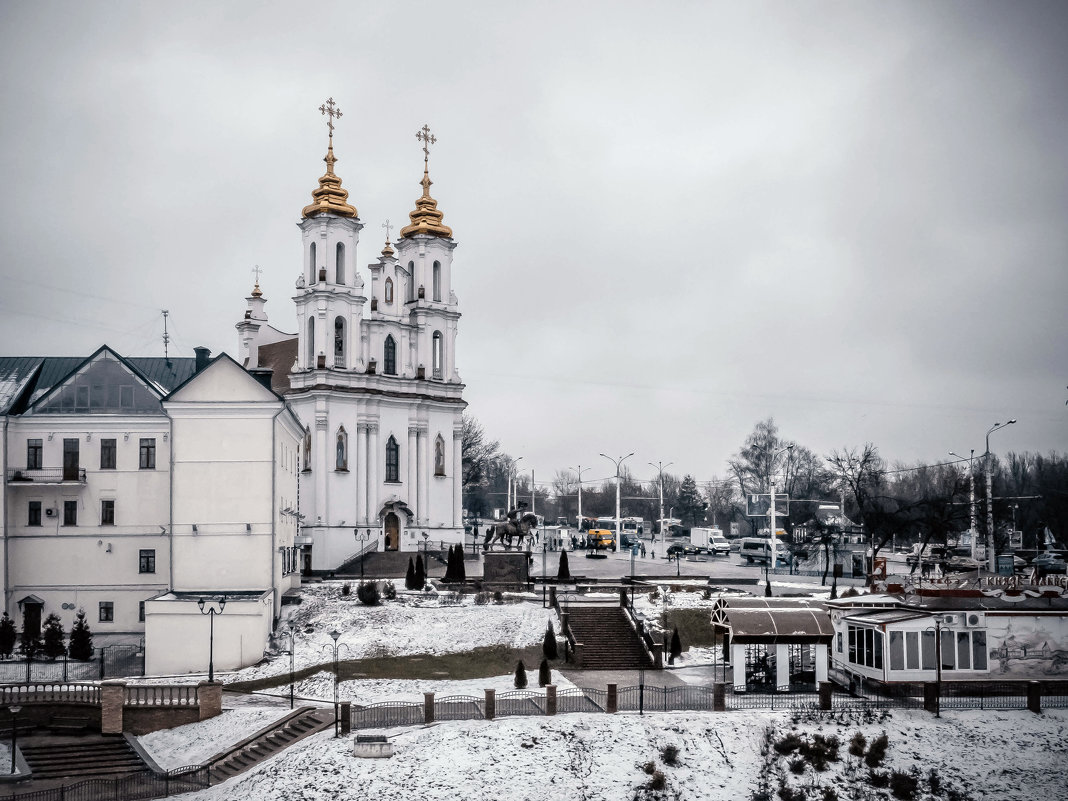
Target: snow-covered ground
pixel 195 743
pixel 1009 756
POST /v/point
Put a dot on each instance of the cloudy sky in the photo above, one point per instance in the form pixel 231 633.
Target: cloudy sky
pixel 674 219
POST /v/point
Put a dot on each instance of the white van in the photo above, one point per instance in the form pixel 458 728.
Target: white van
pixel 758 550
pixel 718 544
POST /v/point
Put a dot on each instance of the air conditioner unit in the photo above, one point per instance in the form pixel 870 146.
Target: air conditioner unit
pixel 949 620
pixel 974 619
pixel 50 512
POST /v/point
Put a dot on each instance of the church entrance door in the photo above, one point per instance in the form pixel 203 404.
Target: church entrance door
pixel 392 532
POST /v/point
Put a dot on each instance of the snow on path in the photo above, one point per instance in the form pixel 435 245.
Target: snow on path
pixel 372 691
pixel 195 743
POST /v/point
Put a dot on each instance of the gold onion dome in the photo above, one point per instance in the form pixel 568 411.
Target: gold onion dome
pixel 387 250
pixel 329 198
pixel 426 219
pixel 256 293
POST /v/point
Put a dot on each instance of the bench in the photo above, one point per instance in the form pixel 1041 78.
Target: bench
pixel 67 724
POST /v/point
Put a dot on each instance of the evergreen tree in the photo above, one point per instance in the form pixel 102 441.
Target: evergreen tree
pixel 450 567
pixel 29 642
pixel 81 639
pixel 420 572
pixel 676 645
pixel 691 506
pixel 461 569
pixel 8 635
pixel 545 676
pixel 520 676
pixel 53 637
pixel 563 573
pixel 409 577
pixel 548 646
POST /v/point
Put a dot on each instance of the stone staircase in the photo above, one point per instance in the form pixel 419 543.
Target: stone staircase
pixel 608 640
pixel 83 756
pixel 267 742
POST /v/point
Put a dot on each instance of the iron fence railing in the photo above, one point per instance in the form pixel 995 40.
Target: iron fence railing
pixel 130 787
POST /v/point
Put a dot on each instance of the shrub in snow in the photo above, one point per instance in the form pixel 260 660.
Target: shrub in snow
pixel 829 794
pixel 788 744
pixel 389 592
pixel 367 592
pixel 649 768
pixel 797 765
pixel 857 744
pixel 563 572
pixel 878 778
pixel 657 782
pixel 545 676
pixel 409 577
pixel 904 785
pixel 420 572
pixel 877 751
pixel 520 676
pixel 820 751
pixel 53 647
pixel 346 588
pixel 482 598
pixel 934 782
pixel 81 638
pixel 498 598
pixel 548 645
pixel 669 755
pixel 8 635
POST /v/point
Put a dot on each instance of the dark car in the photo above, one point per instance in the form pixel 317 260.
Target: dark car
pixel 676 549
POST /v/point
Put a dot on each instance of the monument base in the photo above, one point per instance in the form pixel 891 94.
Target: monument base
pixel 506 570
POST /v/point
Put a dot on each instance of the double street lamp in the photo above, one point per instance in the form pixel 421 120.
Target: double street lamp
pixel 337 704
pixel 660 472
pixel 14 710
pixel 773 557
pixel 619 519
pixel 209 608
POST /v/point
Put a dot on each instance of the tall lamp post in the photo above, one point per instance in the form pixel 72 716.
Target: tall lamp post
pixel 292 629
pixel 773 560
pixel 971 497
pixel 14 710
pixel 208 608
pixel 619 519
pixel 938 665
pixel 337 706
pixel 362 539
pixel 660 472
pixel 991 559
pixel 510 500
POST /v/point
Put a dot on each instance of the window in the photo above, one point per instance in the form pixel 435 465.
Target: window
pixel 146 560
pixel 389 290
pixel 107 454
pixel 148 454
pixel 34 516
pixel 71 460
pixel 339 342
pixel 306 451
pixel 310 342
pixel 107 513
pixel 437 281
pixel 411 280
pixel 34 454
pixel 389 357
pixel 342 461
pixel 964 651
pixel 897 650
pixel 866 647
pixel 912 650
pixel 70 513
pixel 141 611
pixel 979 650
pixel 313 275
pixel 107 611
pixel 392 460
pixel 927 650
pixel 437 354
pixel 339 265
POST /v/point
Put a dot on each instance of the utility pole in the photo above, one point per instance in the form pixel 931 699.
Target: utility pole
pixel 619 519
pixel 660 470
pixel 578 521
pixel 991 559
pixel 972 530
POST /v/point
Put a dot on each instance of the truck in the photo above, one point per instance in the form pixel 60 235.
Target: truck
pixel 708 540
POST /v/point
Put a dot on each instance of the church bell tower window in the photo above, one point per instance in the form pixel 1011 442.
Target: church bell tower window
pixel 339 266
pixel 437 281
pixel 389 290
pixel 339 342
pixel 411 280
pixel 389 357
pixel 310 361
pixel 392 460
pixel 438 355
pixel 311 264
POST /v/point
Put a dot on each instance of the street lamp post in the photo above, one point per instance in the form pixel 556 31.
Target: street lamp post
pixel 14 710
pixel 337 706
pixel 208 608
pixel 660 471
pixel 773 561
pixel 510 493
pixel 292 659
pixel 578 521
pixel 938 665
pixel 362 539
pixel 619 519
pixel 991 559
pixel 971 498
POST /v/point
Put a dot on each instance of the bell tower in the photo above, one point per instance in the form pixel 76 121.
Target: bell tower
pixel 329 297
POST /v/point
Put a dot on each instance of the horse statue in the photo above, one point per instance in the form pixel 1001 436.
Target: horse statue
pixel 503 531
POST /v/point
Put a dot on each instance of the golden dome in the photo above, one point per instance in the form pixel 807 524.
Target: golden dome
pixel 426 219
pixel 329 198
pixel 256 293
pixel 387 250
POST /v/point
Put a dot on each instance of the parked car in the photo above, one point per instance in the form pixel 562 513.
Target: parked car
pixel 678 549
pixel 1049 562
pixel 959 564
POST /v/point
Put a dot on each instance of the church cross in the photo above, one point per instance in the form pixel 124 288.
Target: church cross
pixel 427 138
pixel 331 114
pixel 388 228
pixel 257 271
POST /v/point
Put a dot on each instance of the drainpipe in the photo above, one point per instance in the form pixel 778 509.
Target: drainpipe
pixel 4 520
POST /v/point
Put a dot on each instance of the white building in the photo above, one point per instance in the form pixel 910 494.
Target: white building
pixel 371 373
pixel 129 480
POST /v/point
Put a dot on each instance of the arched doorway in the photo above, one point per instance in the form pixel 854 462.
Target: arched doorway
pixel 392 526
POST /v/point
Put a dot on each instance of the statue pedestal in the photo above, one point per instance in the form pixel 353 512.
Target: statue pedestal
pixel 504 570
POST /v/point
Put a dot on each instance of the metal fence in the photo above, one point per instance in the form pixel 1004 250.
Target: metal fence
pixel 131 787
pixel 109 662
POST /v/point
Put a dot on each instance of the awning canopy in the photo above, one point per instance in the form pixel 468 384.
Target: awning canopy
pixel 778 626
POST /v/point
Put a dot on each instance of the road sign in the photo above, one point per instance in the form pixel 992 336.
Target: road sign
pixel 759 504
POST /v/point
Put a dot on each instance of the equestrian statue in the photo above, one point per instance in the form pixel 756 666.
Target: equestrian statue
pixel 503 531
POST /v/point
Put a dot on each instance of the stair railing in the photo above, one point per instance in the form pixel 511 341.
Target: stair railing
pixel 639 629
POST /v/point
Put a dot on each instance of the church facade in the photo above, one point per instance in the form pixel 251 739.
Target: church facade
pixel 371 374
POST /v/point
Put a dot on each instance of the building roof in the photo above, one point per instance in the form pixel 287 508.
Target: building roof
pixel 779 625
pixel 719 609
pixel 279 357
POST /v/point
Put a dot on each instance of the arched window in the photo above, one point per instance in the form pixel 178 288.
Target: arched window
pixel 411 280
pixel 339 263
pixel 389 357
pixel 307 449
pixel 437 281
pixel 439 456
pixel 389 290
pixel 438 355
pixel 392 460
pixel 339 342
pixel 310 362
pixel 342 448
pixel 312 274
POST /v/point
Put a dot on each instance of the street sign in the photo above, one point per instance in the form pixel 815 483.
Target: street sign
pixel 759 504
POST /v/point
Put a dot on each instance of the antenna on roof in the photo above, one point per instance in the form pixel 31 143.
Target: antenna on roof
pixel 166 337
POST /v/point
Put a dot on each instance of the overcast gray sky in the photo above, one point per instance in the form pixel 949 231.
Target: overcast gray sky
pixel 673 219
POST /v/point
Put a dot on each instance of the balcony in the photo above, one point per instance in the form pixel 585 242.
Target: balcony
pixel 47 475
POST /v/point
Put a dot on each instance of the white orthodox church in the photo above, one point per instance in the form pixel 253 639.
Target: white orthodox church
pixel 371 374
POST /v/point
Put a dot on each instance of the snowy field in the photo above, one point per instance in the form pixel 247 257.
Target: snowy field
pixel 195 743
pixel 1008 756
